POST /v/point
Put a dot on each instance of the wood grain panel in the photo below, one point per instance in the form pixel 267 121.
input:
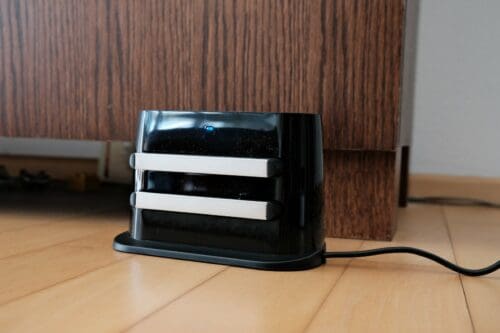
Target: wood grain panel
pixel 361 194
pixel 83 69
pixel 362 73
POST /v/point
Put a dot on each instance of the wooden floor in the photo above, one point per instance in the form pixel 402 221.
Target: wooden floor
pixel 58 273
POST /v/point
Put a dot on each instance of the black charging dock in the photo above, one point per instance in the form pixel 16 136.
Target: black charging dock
pixel 233 188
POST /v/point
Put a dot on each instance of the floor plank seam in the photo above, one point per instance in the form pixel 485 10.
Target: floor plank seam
pixel 28 226
pixel 196 286
pixel 51 245
pixel 33 292
pixel 445 217
pixel 323 301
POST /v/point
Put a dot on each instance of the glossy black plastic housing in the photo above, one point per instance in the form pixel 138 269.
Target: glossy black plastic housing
pixel 293 239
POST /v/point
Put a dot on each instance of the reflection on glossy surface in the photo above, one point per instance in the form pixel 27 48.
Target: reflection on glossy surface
pixel 294 139
pixel 231 187
pixel 212 133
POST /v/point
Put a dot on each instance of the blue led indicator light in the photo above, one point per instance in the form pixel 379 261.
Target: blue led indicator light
pixel 209 128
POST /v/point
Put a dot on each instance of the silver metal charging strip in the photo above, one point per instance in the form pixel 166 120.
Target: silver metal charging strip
pixel 247 209
pixel 211 165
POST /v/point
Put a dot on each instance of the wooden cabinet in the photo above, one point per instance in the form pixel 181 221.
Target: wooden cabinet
pixel 84 69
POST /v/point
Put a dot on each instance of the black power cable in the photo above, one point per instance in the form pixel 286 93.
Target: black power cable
pixel 403 249
pixel 453 201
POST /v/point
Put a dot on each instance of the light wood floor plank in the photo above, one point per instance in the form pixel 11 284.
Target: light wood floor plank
pixel 383 297
pixel 19 241
pixel 107 300
pixel 419 226
pixel 25 274
pixel 12 219
pixel 15 220
pixel 475 233
pixel 237 301
pixel 58 273
pixel 483 296
pixel 242 300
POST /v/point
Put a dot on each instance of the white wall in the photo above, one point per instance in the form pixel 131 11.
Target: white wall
pixel 457 89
